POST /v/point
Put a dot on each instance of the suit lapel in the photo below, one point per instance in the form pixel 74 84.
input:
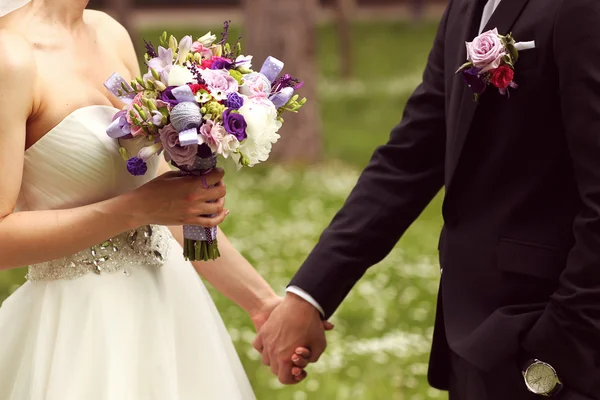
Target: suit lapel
pixel 503 18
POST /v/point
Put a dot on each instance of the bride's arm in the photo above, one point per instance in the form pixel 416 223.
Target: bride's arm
pixel 233 276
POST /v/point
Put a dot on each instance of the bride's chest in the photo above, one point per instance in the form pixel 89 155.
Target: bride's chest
pixel 67 81
pixel 76 163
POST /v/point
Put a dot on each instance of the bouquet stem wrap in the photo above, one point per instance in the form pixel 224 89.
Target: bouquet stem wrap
pixel 200 243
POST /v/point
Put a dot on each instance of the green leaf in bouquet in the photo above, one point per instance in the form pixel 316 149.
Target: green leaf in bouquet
pixel 141 82
pixel 214 108
pixel 237 75
pixel 140 111
pixel 244 160
pixel 125 88
pixel 163 39
pixel 134 118
pixel 124 154
pixel 508 61
pixel 154 73
pixel 152 106
pixel 160 86
pixel 514 53
pixel 293 105
pixel 173 45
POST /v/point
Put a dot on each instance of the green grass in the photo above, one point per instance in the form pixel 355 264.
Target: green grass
pixel 380 346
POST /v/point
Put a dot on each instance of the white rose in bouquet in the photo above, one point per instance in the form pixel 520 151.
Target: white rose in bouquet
pixel 261 117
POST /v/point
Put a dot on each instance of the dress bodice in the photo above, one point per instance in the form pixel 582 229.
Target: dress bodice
pixel 76 164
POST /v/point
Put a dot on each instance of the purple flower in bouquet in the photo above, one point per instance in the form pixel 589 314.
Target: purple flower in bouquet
pixel 287 81
pixel 180 155
pixel 167 96
pixel 163 61
pixel 474 80
pixel 150 49
pixel 235 124
pixel 221 63
pixel 234 101
pixel 124 125
pixel 136 166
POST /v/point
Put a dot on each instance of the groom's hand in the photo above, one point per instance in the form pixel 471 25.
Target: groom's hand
pixel 294 323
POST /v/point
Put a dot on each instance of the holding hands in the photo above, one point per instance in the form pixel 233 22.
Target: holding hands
pixel 291 337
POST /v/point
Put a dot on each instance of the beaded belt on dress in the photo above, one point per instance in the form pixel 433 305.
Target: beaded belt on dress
pixel 147 246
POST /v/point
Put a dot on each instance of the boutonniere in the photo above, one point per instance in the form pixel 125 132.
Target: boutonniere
pixel 491 60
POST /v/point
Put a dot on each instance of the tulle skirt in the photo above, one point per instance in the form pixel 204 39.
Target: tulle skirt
pixel 154 334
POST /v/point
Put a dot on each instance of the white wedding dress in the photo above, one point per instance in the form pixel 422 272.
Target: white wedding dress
pixel 126 320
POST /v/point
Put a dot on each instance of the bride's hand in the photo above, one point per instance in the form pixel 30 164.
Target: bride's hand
pixel 301 357
pixel 173 199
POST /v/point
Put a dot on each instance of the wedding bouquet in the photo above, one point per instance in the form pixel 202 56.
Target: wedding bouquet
pixel 200 100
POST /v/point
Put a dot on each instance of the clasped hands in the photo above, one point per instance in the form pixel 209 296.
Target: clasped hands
pixel 292 336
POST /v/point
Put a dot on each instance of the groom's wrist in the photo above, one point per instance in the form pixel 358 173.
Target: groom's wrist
pixel 304 296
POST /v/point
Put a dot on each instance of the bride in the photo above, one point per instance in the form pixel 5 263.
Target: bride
pixel 120 319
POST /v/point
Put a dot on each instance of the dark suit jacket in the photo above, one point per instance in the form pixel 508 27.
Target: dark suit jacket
pixel 520 248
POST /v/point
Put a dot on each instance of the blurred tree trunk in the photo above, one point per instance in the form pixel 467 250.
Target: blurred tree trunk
pixel 343 10
pixel 122 11
pixel 417 8
pixel 286 29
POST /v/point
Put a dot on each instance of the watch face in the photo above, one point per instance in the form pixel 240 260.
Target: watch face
pixel 540 378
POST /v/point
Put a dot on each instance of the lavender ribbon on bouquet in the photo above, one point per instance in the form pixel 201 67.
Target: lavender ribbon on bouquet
pixel 271 69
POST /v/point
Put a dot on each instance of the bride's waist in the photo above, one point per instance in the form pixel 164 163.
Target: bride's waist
pixel 147 246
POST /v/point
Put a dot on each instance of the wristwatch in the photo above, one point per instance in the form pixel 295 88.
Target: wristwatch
pixel 541 378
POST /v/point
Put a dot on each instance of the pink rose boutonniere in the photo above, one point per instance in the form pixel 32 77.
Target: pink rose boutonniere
pixel 491 60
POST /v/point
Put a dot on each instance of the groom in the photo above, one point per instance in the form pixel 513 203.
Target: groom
pixel 518 313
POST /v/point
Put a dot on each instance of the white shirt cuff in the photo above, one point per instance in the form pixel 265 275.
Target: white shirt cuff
pixel 301 293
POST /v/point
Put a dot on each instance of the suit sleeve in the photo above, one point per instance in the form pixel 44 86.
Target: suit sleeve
pixel 567 335
pixel 400 180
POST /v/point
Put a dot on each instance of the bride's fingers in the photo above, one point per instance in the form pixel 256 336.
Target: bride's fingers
pixel 328 325
pixel 299 361
pixel 301 376
pixel 303 352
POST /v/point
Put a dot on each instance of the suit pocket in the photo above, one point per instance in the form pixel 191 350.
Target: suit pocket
pixel 531 259
pixel 528 60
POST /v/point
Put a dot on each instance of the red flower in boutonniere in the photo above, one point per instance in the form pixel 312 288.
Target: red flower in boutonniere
pixel 491 60
pixel 502 77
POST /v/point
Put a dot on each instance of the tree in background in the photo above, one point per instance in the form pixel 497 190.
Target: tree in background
pixel 417 8
pixel 343 10
pixel 286 29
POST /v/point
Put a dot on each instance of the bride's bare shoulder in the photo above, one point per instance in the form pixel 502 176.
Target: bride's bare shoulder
pixel 115 35
pixel 108 27
pixel 17 55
